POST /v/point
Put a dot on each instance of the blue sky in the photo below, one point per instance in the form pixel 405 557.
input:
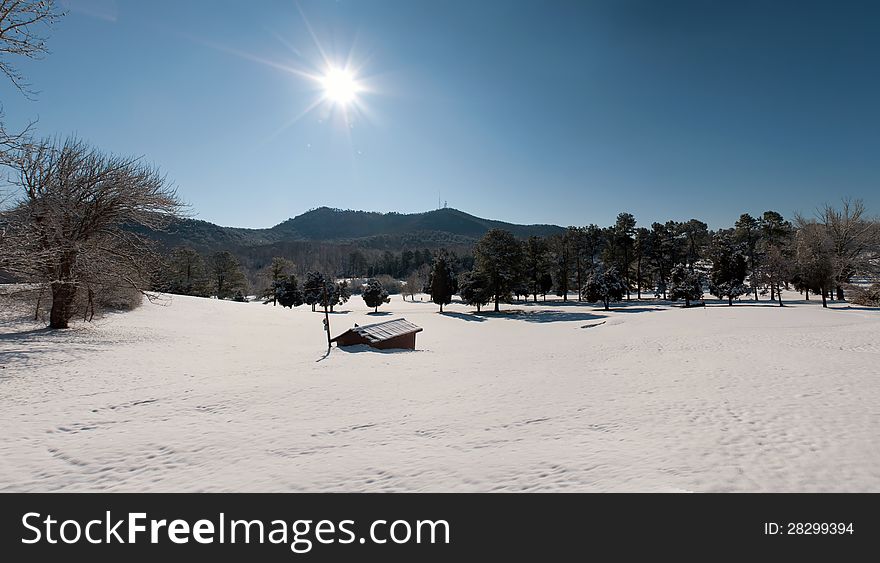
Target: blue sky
pixel 557 112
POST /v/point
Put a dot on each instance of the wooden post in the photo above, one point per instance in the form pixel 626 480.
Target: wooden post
pixel 327 318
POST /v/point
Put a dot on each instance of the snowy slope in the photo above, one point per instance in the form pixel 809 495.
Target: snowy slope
pixel 203 395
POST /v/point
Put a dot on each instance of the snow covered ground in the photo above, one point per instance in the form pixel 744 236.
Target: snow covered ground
pixel 203 395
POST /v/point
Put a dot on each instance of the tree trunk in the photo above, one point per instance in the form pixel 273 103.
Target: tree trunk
pixel 376 309
pixel 840 293
pixel 606 305
pixel 63 294
pixel 639 278
pixel 37 310
pixel 496 303
pixel 441 307
pixel 807 294
pixel 824 298
pixel 730 300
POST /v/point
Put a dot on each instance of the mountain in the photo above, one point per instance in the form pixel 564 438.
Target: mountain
pixel 391 231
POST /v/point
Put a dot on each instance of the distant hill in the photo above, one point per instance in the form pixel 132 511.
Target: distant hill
pixel 368 229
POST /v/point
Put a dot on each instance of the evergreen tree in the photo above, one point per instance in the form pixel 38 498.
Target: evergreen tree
pixel 685 283
pixel 605 285
pixel 621 237
pixel 726 279
pixel 537 264
pixel 662 255
pixel 341 294
pixel 287 292
pixel 319 290
pixel 442 283
pixel 776 234
pixel 694 235
pixel 227 275
pixel 473 288
pixel 498 256
pixel 747 233
pixel 561 254
pixel 276 271
pixel 641 257
pixel 185 273
pixel 374 294
pixel 545 284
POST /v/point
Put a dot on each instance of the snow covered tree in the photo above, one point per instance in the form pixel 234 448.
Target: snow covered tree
pixel 498 256
pixel 473 288
pixel 276 271
pixel 287 293
pixel 619 251
pixel 227 276
pixel 776 234
pixel 685 283
pixel 342 294
pixel 747 234
pixel 727 277
pixel 537 264
pixel 695 236
pixel 605 285
pixel 374 294
pixel 442 282
pixel 75 225
pixel 319 290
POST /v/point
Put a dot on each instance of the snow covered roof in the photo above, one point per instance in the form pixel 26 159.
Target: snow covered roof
pixel 385 330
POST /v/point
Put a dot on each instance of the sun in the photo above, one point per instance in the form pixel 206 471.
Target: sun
pixel 340 86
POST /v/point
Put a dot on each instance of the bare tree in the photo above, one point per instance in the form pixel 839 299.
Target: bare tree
pixel 73 226
pixel 22 27
pixel 853 239
pixel 22 23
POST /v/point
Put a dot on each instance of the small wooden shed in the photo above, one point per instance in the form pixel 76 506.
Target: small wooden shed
pixel 399 333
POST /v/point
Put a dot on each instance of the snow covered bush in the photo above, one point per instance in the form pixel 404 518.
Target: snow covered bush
pixel 867 296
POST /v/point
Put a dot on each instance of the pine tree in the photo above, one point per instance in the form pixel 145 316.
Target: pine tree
pixel 537 264
pixel 605 285
pixel 473 288
pixel 776 234
pixel 498 256
pixel 287 292
pixel 747 234
pixel 685 283
pixel 276 271
pixel 374 294
pixel 726 279
pixel 227 275
pixel 442 283
pixel 185 273
pixel 319 290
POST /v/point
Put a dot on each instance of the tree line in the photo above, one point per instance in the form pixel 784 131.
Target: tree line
pixel 819 255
